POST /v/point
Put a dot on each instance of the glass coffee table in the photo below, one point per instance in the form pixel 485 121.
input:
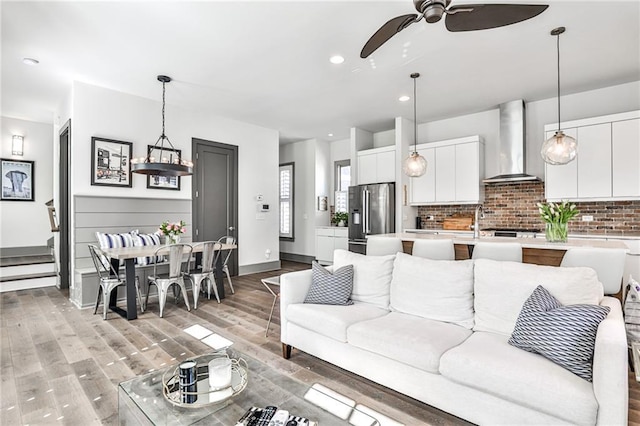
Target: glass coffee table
pixel 141 400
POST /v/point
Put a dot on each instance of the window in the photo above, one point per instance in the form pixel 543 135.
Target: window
pixel 286 201
pixel 342 181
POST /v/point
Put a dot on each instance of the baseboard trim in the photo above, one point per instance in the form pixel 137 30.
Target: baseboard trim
pixel 259 267
pixel 293 257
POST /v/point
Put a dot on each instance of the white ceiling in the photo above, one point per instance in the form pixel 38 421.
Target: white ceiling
pixel 267 63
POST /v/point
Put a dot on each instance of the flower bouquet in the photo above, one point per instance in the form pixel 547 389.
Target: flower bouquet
pixel 172 231
pixel 556 216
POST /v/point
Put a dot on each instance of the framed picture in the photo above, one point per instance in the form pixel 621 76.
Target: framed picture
pixel 110 162
pixel 18 180
pixel 164 182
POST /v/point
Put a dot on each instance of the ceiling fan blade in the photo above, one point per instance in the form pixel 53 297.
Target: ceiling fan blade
pixel 485 16
pixel 388 30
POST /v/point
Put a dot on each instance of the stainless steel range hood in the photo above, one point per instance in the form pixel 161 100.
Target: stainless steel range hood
pixel 512 153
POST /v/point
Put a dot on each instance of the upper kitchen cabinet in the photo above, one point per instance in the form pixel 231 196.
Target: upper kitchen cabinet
pixel 626 158
pixel 455 169
pixel 606 167
pixel 377 165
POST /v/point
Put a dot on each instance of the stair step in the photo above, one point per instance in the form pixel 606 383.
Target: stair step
pixel 27 276
pixel 28 283
pixel 36 268
pixel 26 260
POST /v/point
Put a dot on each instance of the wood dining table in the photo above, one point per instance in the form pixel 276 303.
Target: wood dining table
pixel 129 254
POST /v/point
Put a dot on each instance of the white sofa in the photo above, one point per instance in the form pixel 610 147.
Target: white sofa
pixel 437 331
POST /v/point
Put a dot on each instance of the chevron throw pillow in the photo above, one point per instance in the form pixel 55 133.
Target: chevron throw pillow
pixel 330 288
pixel 565 335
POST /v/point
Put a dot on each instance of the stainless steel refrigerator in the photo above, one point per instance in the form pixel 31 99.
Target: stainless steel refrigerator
pixel 371 211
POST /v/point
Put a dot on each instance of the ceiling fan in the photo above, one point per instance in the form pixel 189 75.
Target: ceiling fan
pixel 465 17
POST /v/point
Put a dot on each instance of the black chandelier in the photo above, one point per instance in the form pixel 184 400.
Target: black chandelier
pixel 162 166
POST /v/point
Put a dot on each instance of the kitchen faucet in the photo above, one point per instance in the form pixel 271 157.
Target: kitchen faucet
pixel 476 221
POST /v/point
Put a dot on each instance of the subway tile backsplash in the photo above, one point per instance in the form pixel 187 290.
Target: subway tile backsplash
pixel 514 206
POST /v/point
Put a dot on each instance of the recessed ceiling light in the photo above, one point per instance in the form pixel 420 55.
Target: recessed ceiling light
pixel 30 61
pixel 330 134
pixel 404 98
pixel 336 59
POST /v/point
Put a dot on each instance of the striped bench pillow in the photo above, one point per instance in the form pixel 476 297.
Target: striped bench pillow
pixel 142 240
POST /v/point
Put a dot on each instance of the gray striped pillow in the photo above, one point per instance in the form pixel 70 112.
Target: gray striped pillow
pixel 565 335
pixel 330 288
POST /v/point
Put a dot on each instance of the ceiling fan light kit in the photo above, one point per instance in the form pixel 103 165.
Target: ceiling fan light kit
pixel 415 165
pixel 466 17
pixel 163 167
pixel 560 148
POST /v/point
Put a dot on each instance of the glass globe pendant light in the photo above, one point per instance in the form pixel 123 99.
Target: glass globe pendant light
pixel 162 166
pixel 560 148
pixel 415 165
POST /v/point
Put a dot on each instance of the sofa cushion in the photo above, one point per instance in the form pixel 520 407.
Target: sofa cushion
pixel 501 288
pixel 485 361
pixel 564 334
pixel 440 290
pixel 410 339
pixel 371 276
pixel 330 288
pixel 331 320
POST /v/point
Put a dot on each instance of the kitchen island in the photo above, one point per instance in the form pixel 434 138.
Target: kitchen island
pixel 534 250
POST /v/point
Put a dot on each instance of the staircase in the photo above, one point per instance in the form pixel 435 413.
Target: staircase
pixel 27 267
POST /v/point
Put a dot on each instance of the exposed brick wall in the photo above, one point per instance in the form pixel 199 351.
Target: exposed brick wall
pixel 514 206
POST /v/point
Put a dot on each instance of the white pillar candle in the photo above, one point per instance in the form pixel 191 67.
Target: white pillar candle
pixel 219 373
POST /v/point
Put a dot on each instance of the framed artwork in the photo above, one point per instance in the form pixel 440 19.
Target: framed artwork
pixel 164 182
pixel 18 180
pixel 110 162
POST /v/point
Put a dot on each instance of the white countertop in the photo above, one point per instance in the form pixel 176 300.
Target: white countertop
pixel 617 235
pixel 465 237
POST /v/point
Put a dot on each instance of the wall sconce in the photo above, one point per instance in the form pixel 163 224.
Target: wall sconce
pixel 17 144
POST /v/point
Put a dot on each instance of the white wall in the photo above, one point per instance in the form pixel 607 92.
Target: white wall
pixel 102 112
pixel 340 150
pixel 609 100
pixel 26 223
pixel 323 177
pixel 303 155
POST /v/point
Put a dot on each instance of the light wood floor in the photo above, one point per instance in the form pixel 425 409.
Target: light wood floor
pixel 62 365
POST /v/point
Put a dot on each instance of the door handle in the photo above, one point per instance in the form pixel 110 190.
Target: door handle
pixel 364 212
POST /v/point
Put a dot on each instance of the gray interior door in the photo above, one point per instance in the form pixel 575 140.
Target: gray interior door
pixel 63 213
pixel 215 193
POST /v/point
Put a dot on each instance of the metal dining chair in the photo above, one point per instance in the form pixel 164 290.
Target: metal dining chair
pixel 179 255
pixel 227 239
pixel 204 271
pixel 109 280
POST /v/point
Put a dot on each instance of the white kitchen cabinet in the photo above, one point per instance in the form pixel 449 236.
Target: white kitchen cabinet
pixel 467 172
pixel 329 239
pixel 626 158
pixel 455 169
pixel 594 162
pixel 606 167
pixel 377 165
pixel 561 180
pixel 445 165
pixel 423 188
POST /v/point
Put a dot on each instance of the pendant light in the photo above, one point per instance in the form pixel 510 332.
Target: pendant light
pixel 560 148
pixel 162 166
pixel 415 165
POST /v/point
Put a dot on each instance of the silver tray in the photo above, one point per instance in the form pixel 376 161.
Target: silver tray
pixel 205 396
